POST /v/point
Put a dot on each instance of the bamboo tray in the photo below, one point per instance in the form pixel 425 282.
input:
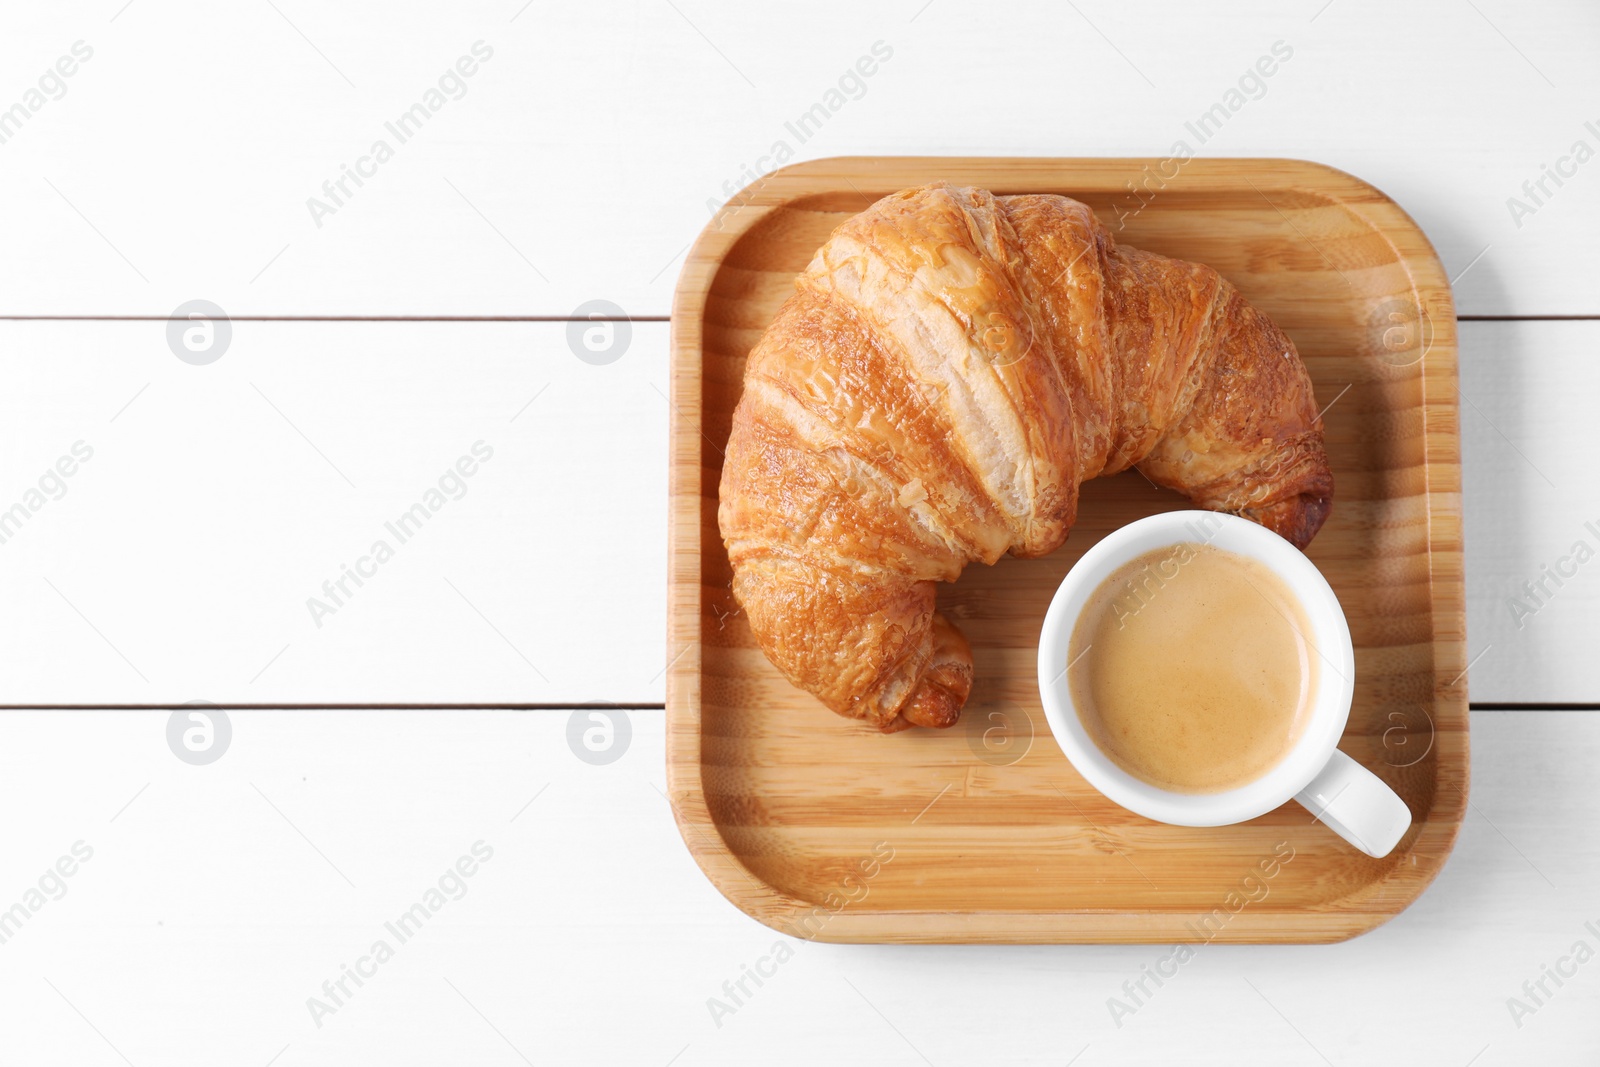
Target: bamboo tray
pixel 819 827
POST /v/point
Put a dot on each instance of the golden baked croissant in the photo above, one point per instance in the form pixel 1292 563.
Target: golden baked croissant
pixel 952 366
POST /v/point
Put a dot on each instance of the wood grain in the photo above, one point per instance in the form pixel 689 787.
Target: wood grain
pixel 593 872
pixel 121 541
pixel 786 806
pixel 581 157
pixel 1532 510
pixel 179 562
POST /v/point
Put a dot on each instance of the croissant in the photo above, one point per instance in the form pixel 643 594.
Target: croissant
pixel 951 367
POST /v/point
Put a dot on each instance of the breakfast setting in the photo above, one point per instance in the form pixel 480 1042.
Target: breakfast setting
pixel 1182 655
pixel 675 533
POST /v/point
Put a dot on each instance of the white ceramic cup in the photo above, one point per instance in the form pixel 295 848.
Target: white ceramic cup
pixel 1350 799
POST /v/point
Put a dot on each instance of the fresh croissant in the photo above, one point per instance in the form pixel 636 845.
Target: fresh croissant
pixel 952 366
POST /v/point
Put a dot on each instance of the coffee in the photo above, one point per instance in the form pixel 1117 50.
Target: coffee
pixel 1190 668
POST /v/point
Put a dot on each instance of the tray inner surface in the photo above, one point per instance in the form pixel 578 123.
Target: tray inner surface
pixel 980 818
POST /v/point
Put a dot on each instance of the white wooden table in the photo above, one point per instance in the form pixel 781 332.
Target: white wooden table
pixel 541 156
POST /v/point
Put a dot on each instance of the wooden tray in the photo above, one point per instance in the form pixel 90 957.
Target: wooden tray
pixel 819 827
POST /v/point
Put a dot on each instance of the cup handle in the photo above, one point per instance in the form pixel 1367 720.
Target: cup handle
pixel 1357 805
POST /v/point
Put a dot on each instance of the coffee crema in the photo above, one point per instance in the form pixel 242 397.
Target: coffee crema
pixel 1190 668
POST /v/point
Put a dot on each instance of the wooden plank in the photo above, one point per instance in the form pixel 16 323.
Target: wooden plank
pixel 579 160
pixel 122 543
pixel 1532 510
pixel 788 793
pixel 186 557
pixel 222 971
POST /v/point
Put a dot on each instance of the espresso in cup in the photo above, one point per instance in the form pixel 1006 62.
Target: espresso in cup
pixel 1190 668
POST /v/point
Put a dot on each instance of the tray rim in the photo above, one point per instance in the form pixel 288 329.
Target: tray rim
pixel 1442 480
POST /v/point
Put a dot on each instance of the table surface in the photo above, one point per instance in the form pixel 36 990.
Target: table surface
pixel 402 216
